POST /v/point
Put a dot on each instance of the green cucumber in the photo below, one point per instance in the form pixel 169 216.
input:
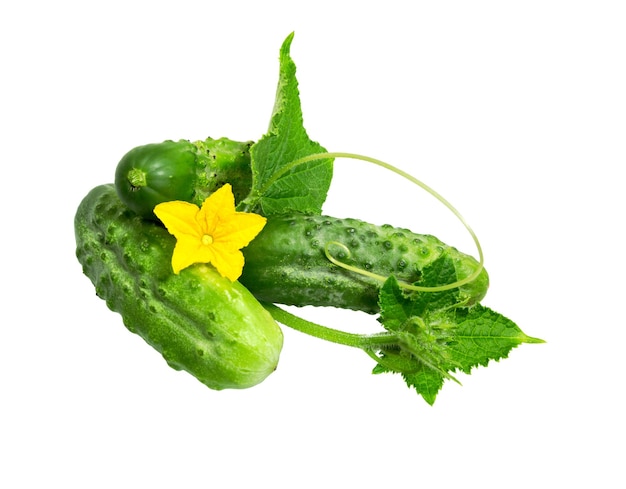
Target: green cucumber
pixel 182 170
pixel 199 321
pixel 287 263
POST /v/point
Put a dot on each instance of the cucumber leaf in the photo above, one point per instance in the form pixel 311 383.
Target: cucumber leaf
pixel 441 271
pixel 435 341
pixel 277 188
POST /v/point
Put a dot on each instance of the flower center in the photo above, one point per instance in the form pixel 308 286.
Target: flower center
pixel 207 239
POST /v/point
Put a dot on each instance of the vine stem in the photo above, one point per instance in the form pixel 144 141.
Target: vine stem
pixel 364 342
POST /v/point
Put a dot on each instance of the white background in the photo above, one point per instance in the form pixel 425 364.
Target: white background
pixel 514 111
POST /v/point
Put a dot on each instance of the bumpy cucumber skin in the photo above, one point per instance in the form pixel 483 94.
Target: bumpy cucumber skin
pixel 286 262
pixel 221 161
pixel 199 321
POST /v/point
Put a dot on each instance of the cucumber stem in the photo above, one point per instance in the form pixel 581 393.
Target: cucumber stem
pixel 137 178
pixel 364 342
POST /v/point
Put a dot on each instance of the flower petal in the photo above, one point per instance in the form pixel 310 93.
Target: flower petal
pixel 228 262
pixel 239 230
pixel 179 218
pixel 217 207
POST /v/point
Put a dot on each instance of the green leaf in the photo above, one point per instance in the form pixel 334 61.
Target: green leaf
pixel 279 187
pixel 437 338
pixel 395 303
pixel 426 382
pixel 481 335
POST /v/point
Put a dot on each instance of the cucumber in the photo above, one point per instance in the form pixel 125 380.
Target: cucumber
pixel 182 170
pixel 286 263
pixel 199 321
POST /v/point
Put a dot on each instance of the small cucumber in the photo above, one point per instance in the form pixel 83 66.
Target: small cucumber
pixel 182 170
pixel 199 321
pixel 287 263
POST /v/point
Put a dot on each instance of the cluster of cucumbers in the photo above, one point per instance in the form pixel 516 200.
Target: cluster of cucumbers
pixel 215 329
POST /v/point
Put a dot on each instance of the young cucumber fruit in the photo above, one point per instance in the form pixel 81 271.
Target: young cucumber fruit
pixel 182 170
pixel 199 321
pixel 287 263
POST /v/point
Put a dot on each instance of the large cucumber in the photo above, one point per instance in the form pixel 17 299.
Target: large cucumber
pixel 287 262
pixel 199 321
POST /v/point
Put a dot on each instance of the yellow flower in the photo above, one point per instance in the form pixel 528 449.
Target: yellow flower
pixel 212 234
